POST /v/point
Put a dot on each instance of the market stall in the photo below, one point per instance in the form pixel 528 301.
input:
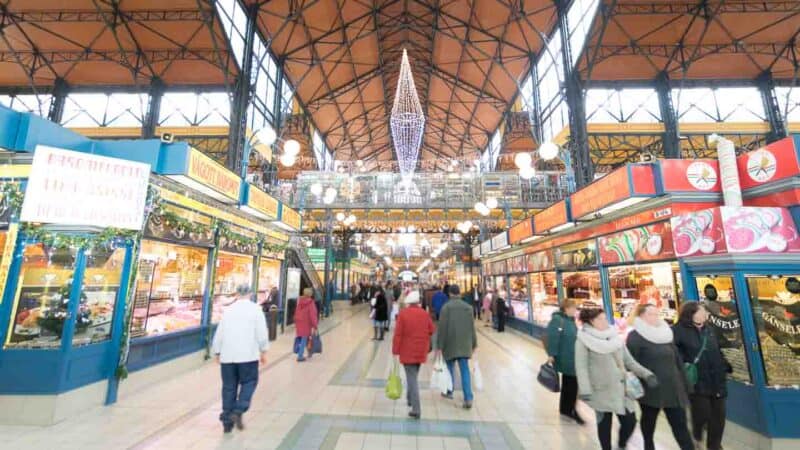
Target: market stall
pixel 544 286
pixel 580 275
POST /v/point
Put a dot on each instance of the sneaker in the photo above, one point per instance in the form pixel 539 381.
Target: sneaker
pixel 448 395
pixel 237 420
pixel 300 359
pixel 227 428
pixel 413 415
pixel 468 404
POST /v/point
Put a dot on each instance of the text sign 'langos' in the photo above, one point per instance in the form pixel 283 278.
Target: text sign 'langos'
pixel 80 189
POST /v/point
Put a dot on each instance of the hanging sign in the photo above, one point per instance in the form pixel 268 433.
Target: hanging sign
pixel 208 172
pixel 689 175
pixel 623 187
pixel 730 229
pixel 486 247
pixel 551 217
pixel 80 189
pixel 290 218
pixel 259 203
pixel 500 241
pixel 520 231
pixel 476 252
pixel 774 162
pixel 647 243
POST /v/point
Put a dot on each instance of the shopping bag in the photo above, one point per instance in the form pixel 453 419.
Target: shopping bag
pixel 316 343
pixel 477 376
pixel 437 371
pixel 548 377
pixel 633 386
pixel 394 386
pixel 445 382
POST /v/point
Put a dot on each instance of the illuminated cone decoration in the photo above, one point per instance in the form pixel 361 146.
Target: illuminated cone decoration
pixel 407 121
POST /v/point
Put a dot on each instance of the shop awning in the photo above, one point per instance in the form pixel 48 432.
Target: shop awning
pixel 521 232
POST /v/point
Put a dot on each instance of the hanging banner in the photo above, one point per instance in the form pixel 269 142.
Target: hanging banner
pixel 520 231
pixel 290 218
pixel 208 172
pixel 80 189
pixel 689 175
pixel 647 243
pixel 486 247
pixel 500 241
pixel 774 162
pixel 622 187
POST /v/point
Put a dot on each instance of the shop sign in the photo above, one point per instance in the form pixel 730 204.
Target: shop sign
pixel 290 218
pixel 520 231
pixel 486 247
pixel 774 162
pixel 540 261
pixel 578 255
pixel 261 202
pixel 500 241
pixel 81 189
pixel 689 175
pixel 729 229
pixel 476 252
pixel 647 243
pixel 208 172
pixel 316 255
pixel 630 183
pixel 518 264
pixel 551 217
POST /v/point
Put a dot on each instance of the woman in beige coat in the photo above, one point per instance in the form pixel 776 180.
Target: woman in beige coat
pixel 601 363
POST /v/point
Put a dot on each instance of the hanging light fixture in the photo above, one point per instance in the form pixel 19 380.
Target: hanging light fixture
pixel 527 173
pixel 340 216
pixel 548 150
pixel 288 160
pixel 407 121
pixel 291 147
pixel 522 160
pixel 316 189
pixel 491 202
pixel 267 135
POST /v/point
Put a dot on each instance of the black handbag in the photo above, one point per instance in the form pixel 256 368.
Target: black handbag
pixel 548 377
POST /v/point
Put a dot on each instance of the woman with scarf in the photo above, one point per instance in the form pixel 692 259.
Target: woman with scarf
pixel 601 364
pixel 651 345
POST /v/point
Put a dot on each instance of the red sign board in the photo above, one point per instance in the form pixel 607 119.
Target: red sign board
pixel 729 229
pixel 633 180
pixel 776 161
pixel 647 243
pixel 551 217
pixel 689 175
pixel 520 231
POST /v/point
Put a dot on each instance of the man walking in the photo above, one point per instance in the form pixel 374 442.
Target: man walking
pixel 241 341
pixel 457 340
pixel 438 301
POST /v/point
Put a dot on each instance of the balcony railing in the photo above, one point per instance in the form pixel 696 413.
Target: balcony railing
pixel 428 190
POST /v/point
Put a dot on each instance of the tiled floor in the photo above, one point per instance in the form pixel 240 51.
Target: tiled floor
pixel 336 401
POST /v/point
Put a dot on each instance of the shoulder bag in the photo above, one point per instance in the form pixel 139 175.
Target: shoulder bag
pixel 690 369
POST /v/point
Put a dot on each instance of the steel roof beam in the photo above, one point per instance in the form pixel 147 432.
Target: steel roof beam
pixel 82 16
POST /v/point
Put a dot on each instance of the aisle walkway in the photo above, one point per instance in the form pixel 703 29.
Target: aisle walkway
pixel 335 401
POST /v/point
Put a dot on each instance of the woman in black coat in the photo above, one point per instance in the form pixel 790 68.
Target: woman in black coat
pixel 381 315
pixel 502 312
pixel 651 345
pixel 707 397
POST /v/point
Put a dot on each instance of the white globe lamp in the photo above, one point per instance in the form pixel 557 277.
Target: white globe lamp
pixel 479 206
pixel 316 189
pixel 288 160
pixel 548 151
pixel 527 173
pixel 340 216
pixel 330 192
pixel 291 147
pixel 267 135
pixel 491 202
pixel 522 160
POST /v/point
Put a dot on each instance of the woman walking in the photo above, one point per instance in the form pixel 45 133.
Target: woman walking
pixel 305 322
pixel 561 335
pixel 501 309
pixel 698 345
pixel 381 314
pixel 412 340
pixel 601 364
pixel 651 345
pixel 487 307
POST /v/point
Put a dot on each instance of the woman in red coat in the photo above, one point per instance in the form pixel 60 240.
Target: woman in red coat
pixel 412 342
pixel 305 321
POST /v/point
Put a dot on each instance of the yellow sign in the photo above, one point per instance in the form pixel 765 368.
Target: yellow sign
pixel 190 203
pixel 262 202
pixel 15 170
pixel 290 217
pixel 10 238
pixel 213 174
pixel 277 235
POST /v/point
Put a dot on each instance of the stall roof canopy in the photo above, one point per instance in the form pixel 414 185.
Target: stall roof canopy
pixel 692 39
pixel 467 58
pixel 112 42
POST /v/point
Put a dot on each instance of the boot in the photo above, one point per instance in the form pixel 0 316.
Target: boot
pixel 381 334
pixel 375 334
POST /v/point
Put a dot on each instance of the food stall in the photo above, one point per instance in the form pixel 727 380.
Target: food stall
pixel 544 286
pixel 235 265
pixel 518 290
pixel 580 275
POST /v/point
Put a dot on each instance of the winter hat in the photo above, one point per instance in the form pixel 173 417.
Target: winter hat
pixel 412 297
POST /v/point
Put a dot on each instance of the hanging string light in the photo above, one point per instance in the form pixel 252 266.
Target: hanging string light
pixel 407 121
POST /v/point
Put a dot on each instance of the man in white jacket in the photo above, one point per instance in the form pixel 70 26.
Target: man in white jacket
pixel 241 341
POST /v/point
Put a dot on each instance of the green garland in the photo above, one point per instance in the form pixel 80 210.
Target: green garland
pixel 273 248
pixel 14 194
pixel 231 236
pixel 59 240
pixel 175 221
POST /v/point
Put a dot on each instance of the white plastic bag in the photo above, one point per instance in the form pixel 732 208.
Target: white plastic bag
pixel 477 377
pixel 445 381
pixel 438 371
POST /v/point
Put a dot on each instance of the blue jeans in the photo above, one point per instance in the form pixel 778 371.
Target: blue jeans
pixel 301 348
pixel 239 382
pixel 466 381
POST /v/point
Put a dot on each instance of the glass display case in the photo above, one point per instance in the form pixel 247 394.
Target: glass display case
pixel 170 284
pixel 776 310
pixel 654 283
pixel 544 296
pixel 500 286
pixel 100 289
pixel 518 297
pixel 584 288
pixel 269 281
pixel 232 270
pixel 719 296
pixel 41 304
